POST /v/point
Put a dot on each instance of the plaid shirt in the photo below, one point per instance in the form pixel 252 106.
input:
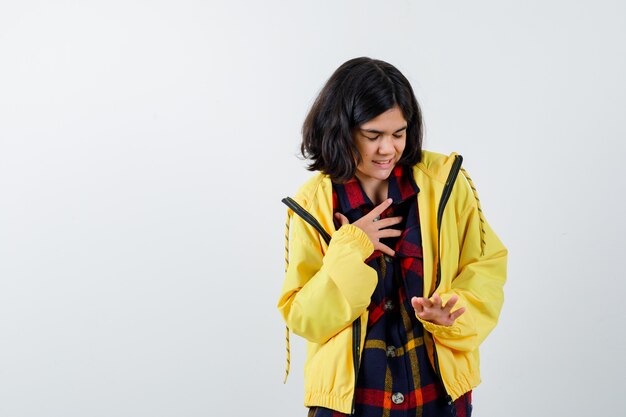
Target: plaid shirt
pixel 395 376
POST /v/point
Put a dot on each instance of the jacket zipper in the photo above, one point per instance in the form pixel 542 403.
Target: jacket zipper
pixel 356 348
pixel 307 217
pixel 445 196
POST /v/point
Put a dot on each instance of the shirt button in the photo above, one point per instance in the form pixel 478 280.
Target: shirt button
pixel 397 398
pixel 388 259
pixel 388 305
pixel 391 352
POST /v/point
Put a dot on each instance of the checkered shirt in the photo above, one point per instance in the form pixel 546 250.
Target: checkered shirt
pixel 396 378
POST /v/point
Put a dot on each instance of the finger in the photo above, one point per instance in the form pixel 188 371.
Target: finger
pixel 342 219
pixel 425 303
pixel 455 315
pixel 376 211
pixel 416 302
pixel 388 233
pixel 384 249
pixel 451 302
pixel 436 300
pixel 389 221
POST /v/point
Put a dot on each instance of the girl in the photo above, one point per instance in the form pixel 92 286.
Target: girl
pixel 393 275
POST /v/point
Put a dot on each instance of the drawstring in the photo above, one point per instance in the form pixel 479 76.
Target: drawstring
pixel 480 212
pixel 287 365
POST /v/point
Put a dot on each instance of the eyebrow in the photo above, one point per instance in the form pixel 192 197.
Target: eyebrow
pixel 380 132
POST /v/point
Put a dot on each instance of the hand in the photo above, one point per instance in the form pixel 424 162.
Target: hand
pixel 375 230
pixel 434 311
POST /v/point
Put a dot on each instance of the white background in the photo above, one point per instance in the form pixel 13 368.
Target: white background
pixel 145 147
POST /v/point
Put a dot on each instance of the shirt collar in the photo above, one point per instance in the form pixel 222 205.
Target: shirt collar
pixel 401 187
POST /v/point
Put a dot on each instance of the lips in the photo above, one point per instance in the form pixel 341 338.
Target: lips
pixel 383 163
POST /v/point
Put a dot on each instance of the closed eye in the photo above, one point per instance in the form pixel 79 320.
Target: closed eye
pixel 398 134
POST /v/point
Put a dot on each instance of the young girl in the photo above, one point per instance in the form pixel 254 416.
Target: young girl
pixel 393 275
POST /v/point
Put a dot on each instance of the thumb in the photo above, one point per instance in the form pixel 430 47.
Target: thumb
pixel 342 219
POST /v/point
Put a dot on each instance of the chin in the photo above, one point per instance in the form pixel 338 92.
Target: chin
pixel 383 176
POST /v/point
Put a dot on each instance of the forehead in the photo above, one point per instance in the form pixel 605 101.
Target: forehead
pixel 391 120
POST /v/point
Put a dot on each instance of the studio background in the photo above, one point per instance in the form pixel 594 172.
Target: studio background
pixel 145 147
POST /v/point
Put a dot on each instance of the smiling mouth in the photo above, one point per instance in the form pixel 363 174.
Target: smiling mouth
pixel 385 162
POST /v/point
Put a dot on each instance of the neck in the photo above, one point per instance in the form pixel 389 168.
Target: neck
pixel 375 189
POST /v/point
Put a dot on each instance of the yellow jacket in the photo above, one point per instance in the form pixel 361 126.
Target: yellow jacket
pixel 328 287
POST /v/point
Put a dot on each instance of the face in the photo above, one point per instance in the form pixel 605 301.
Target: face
pixel 380 141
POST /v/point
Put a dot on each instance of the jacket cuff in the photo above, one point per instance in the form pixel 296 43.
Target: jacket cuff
pixel 439 330
pixel 349 234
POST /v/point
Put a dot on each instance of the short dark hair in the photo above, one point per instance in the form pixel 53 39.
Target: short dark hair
pixel 358 91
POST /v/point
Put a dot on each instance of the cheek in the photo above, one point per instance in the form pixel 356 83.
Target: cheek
pixel 360 148
pixel 400 147
pixel 365 151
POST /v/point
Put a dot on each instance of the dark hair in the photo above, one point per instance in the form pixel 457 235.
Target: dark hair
pixel 358 91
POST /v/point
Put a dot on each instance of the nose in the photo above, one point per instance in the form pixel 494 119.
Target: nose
pixel 385 146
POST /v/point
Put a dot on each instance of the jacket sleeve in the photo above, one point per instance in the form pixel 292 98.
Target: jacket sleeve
pixel 478 282
pixel 325 292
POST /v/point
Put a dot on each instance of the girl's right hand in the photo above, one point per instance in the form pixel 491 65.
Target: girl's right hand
pixel 375 229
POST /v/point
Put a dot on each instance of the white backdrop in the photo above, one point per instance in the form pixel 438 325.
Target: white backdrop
pixel 145 147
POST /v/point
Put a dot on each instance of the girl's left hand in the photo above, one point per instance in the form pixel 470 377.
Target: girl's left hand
pixel 434 311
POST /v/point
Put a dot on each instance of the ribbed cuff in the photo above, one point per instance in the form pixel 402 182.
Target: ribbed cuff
pixel 439 330
pixel 349 234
